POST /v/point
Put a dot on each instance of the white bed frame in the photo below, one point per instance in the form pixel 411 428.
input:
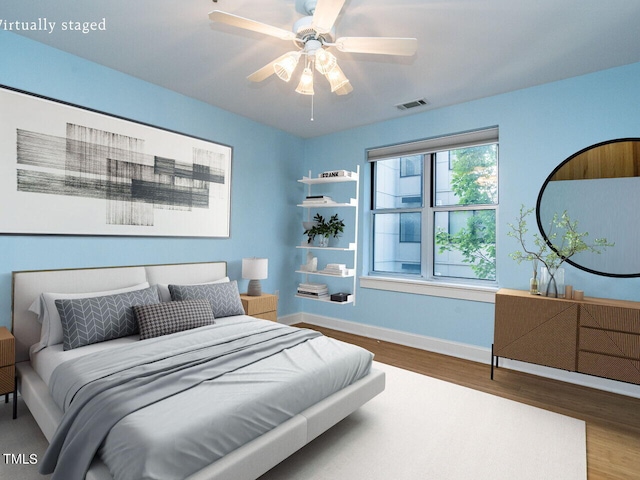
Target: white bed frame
pixel 247 462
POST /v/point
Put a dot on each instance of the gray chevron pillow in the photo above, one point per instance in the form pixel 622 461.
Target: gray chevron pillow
pixel 224 297
pixel 171 317
pixel 96 319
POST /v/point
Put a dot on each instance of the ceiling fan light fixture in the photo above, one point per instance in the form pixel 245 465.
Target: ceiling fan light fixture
pixel 285 67
pixel 337 78
pixel 313 34
pixel 305 87
pixel 325 61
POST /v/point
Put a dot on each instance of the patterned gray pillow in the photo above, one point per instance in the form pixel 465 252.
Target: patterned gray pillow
pixel 96 319
pixel 224 297
pixel 171 317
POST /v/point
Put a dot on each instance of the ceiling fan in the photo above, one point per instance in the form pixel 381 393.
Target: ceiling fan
pixel 313 36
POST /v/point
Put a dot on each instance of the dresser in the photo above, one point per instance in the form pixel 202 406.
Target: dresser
pixel 7 367
pixel 594 336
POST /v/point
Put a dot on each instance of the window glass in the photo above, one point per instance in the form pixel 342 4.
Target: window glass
pixel 411 166
pixel 398 182
pixel 467 176
pixel 391 253
pixel 410 227
pixel 465 244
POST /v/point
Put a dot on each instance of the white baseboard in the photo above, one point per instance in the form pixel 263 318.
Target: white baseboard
pixel 460 350
pixel 291 319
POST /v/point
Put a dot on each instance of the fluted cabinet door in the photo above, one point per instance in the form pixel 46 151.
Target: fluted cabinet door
pixel 536 329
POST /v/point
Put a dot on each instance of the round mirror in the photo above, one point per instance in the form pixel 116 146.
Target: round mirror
pixel 599 188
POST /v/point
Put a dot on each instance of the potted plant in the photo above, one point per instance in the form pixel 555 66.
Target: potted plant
pixel 564 247
pixel 324 229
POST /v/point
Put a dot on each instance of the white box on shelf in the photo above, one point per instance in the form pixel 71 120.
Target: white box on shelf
pixel 335 173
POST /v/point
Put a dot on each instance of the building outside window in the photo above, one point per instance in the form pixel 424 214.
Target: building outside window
pixel 434 208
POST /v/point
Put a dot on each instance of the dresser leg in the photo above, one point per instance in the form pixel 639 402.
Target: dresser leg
pixel 493 357
pixel 15 399
pixel 492 361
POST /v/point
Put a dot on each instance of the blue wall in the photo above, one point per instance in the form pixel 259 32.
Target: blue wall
pixel 539 127
pixel 262 210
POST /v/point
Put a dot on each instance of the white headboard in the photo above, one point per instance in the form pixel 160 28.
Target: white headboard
pixel 28 285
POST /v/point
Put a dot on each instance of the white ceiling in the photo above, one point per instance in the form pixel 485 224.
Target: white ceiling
pixel 467 49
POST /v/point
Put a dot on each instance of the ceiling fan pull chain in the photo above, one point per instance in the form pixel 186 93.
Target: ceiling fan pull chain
pixel 312 107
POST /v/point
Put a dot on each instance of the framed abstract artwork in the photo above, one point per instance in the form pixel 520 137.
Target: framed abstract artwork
pixel 69 170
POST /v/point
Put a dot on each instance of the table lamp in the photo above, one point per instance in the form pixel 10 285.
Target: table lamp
pixel 254 269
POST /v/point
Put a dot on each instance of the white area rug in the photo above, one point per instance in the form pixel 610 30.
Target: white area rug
pixel 423 428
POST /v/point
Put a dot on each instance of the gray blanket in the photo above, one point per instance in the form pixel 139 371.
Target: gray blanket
pixel 142 380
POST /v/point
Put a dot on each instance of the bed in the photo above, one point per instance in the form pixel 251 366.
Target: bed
pixel 278 431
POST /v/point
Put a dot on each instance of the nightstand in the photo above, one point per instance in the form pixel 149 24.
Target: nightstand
pixel 263 306
pixel 8 368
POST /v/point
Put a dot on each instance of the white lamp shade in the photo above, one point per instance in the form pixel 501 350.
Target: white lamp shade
pixel 325 61
pixel 285 67
pixel 336 78
pixel 255 268
pixel 305 87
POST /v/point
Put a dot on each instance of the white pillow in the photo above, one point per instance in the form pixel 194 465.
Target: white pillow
pixel 165 295
pixel 45 308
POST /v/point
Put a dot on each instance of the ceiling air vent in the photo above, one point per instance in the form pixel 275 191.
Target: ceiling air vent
pixel 412 104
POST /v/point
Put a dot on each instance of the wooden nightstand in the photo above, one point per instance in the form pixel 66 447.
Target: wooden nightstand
pixel 8 368
pixel 264 306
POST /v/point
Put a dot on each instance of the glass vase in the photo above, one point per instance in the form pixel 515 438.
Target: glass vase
pixel 552 282
pixel 533 285
pixel 323 241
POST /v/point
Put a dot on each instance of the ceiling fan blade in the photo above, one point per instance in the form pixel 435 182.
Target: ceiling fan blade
pixel 325 15
pixel 266 71
pixel 247 24
pixel 378 45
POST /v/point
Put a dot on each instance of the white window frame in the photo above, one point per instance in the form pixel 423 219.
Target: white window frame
pixel 427 284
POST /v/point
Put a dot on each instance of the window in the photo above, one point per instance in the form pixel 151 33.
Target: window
pixel 434 208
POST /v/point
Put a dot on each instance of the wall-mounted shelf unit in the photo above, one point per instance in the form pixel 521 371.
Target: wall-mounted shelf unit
pixel 334 281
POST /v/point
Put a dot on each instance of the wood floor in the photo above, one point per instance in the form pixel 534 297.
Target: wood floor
pixel 613 421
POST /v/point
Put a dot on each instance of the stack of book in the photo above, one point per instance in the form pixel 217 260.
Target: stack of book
pixel 313 290
pixel 317 200
pixel 339 269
